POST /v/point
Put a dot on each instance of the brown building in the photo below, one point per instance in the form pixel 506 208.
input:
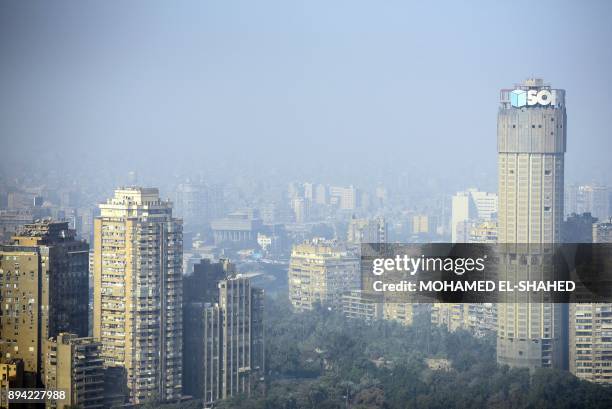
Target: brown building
pixel 11 376
pixel 44 289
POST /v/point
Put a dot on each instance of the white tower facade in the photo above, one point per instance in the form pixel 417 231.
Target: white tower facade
pixel 531 141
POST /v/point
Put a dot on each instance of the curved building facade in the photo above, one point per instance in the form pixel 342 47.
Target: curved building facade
pixel 531 141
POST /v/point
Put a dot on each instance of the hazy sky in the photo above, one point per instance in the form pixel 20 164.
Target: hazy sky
pixel 296 85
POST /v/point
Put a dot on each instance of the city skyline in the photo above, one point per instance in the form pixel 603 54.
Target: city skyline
pixel 239 205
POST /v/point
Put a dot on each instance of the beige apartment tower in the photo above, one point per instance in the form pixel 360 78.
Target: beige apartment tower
pixel 320 273
pixel 531 141
pixel 138 293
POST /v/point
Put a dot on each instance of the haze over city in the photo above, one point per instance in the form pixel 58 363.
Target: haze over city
pixel 305 205
pixel 342 90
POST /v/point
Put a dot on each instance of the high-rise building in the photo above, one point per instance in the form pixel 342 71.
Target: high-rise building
pixel 199 289
pixel 138 293
pixel 198 203
pixel 233 341
pixel 190 204
pixel 347 198
pixel 44 291
pixel 321 194
pixel 301 209
pixel 470 206
pixel 319 273
pixel 594 199
pixel 74 365
pixel 367 231
pixel 531 141
pixel 590 337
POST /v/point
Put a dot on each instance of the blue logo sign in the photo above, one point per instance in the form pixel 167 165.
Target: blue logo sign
pixel 518 98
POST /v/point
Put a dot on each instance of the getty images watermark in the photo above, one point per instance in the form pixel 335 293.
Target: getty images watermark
pixel 487 273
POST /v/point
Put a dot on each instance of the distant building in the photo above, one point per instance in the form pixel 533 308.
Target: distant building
pixel 233 341
pixel 347 198
pixel 420 224
pixel 593 199
pixel 237 229
pixel 355 305
pixel 74 365
pixel 319 273
pixel 367 231
pixel 321 195
pixel 301 209
pixel 359 306
pixel 468 207
pixel 197 204
pixel 44 291
pixel 403 313
pixel 602 232
pixel 483 232
pixel 190 204
pixel 578 228
pixel 11 221
pixel 477 318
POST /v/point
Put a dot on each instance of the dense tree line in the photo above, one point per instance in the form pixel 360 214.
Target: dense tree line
pixel 320 359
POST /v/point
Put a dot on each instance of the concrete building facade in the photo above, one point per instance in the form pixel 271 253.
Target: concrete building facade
pixel 531 142
pixel 44 278
pixel 138 293
pixel 233 341
pixel 319 273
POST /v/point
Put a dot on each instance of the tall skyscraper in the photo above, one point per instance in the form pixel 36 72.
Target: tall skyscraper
pixel 44 291
pixel 200 289
pixel 531 141
pixel 138 293
pixel 233 341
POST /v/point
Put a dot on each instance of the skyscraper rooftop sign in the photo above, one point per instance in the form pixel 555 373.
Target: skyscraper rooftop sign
pixel 544 97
